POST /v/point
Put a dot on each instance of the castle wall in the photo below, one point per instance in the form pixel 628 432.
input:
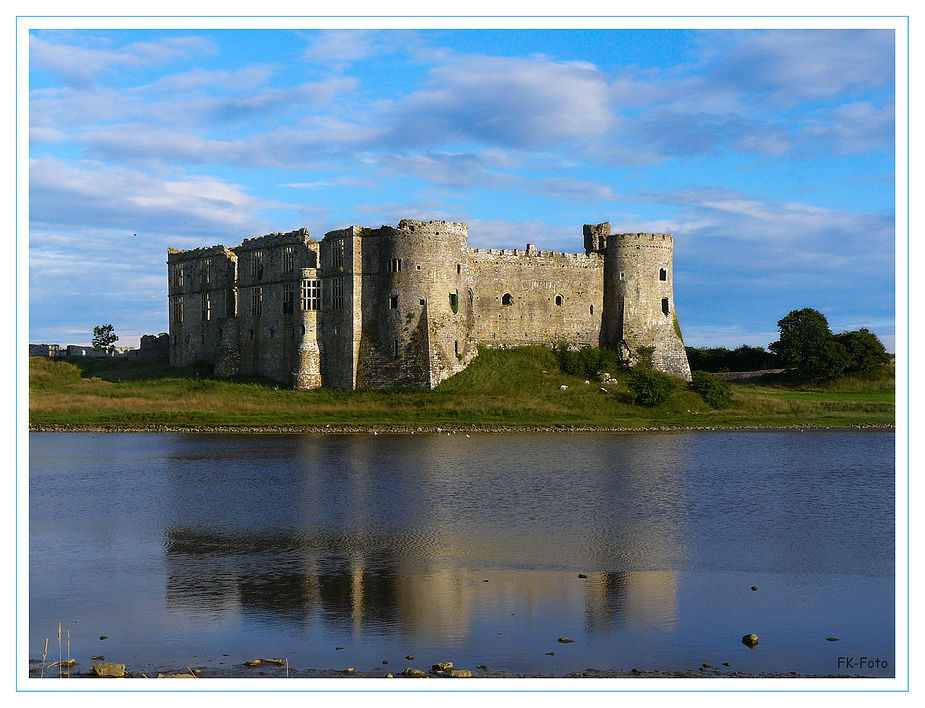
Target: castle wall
pixel 201 281
pixel 408 305
pixel 536 297
pixel 270 323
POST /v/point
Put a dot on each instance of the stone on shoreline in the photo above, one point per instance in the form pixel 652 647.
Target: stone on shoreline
pixel 750 640
pixel 108 670
pixel 413 673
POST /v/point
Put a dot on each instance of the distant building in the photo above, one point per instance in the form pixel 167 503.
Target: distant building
pixel 408 305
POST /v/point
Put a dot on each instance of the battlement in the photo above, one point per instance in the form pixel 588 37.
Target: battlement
pixel 289 238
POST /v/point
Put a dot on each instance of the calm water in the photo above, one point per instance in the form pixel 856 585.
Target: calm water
pixel 347 550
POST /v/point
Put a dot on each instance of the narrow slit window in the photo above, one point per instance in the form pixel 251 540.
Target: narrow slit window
pixel 662 274
pixel 665 305
pixel 558 301
pixel 393 302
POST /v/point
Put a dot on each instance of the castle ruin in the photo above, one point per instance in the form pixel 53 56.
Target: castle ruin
pixel 409 305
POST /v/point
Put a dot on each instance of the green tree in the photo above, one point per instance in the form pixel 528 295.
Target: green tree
pixel 807 346
pixel 865 352
pixel 104 336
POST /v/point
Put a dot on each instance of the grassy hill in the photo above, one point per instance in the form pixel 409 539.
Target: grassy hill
pixel 515 387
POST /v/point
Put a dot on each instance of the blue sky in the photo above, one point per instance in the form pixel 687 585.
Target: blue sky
pixel 769 154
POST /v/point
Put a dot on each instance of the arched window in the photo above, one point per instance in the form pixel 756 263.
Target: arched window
pixel 558 301
pixel 507 299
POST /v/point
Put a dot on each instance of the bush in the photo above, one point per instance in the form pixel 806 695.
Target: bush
pixel 648 387
pixel 586 362
pixel 715 392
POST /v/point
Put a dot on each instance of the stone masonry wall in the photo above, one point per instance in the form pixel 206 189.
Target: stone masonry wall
pixel 536 297
pixel 409 305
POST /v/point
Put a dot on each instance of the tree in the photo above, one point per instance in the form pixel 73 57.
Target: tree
pixel 104 337
pixel 807 346
pixel 865 352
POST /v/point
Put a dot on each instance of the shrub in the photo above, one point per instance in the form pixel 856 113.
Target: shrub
pixel 586 362
pixel 648 387
pixel 715 392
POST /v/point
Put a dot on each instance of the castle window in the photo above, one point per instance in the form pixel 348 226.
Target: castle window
pixel 310 295
pixel 423 302
pixel 230 308
pixel 592 309
pixel 337 293
pixel 176 274
pixel 622 275
pixel 454 302
pixel 393 302
pixel 205 268
pixel 458 268
pixel 257 302
pixel 665 305
pixel 395 348
pixel 662 274
pixel 456 345
pixel 288 298
pixel 257 265
pixel 337 254
pixel 558 301
pixel 395 265
pixel 205 306
pixel 507 299
pixel 288 259
pixel 176 309
pixel 250 333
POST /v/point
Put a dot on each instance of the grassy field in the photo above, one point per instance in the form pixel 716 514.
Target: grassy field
pixel 516 388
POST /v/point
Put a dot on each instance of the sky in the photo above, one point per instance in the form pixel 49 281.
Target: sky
pixel 769 154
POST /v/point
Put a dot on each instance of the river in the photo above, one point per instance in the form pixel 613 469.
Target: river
pixel 654 551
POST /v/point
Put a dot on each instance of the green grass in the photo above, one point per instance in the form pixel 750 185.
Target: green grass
pixel 516 387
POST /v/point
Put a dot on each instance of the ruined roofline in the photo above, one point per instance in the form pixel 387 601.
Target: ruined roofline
pixel 438 226
pixel 175 254
pixel 277 238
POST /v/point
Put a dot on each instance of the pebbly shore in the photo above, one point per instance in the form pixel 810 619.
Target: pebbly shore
pixel 408 430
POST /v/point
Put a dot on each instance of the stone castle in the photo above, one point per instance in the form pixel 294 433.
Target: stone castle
pixel 409 305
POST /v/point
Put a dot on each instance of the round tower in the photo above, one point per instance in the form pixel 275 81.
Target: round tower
pixel 425 295
pixel 639 314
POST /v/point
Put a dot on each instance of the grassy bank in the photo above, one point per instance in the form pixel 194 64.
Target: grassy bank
pixel 514 388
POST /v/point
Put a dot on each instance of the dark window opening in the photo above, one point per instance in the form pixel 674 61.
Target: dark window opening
pixel 665 305
pixel 395 265
pixel 458 268
pixel 558 301
pixel 423 302
pixel 507 299
pixel 592 309
pixel 454 302
pixel 662 274
pixel 395 348
pixel 393 302
pixel 456 344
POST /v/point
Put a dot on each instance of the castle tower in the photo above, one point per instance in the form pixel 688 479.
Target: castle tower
pixel 639 312
pixel 425 326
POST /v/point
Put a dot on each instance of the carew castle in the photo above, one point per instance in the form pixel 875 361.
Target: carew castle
pixel 409 305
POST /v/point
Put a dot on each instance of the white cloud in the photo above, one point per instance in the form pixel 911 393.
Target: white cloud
pixel 503 101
